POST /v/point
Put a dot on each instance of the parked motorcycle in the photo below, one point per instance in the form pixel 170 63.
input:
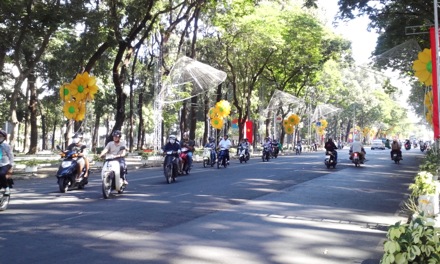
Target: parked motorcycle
pixel 243 154
pixel 68 171
pixel 266 153
pixel 111 175
pixel 222 161
pixel 330 159
pixel 208 157
pixel 170 166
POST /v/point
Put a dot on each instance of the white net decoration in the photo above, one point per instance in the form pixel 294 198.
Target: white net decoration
pixel 324 111
pixel 189 78
pixel 284 101
pixel 400 56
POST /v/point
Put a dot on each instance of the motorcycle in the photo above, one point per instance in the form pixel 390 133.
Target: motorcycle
pixel 244 155
pixel 110 175
pixel 356 159
pixel 170 166
pixel 407 146
pixel 297 149
pixel 67 171
pixel 330 159
pixel 396 158
pixel 266 153
pixel 4 200
pixel 184 158
pixel 422 147
pixel 275 151
pixel 208 157
pixel 222 161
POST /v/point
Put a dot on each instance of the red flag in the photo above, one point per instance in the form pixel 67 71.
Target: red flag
pixel 249 131
pixel 434 84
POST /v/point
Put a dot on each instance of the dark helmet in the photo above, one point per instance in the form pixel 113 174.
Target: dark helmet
pixel 4 134
pixel 211 139
pixel 226 135
pixel 117 133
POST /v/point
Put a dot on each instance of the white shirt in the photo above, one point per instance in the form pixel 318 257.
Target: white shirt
pixel 356 146
pixel 114 149
pixel 6 156
pixel 225 144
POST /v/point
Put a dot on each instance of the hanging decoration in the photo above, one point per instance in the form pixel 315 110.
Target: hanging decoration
pixel 423 67
pixel 221 110
pixel 75 95
pixel 320 127
pixel 290 122
pixel 428 106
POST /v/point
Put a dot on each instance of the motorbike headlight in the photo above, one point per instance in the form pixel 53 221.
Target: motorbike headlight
pixel 66 164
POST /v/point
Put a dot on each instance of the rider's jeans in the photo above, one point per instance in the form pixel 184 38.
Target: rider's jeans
pixel 190 158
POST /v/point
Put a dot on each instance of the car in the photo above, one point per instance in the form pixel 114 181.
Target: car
pixel 377 144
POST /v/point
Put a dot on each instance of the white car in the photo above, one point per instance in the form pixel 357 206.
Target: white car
pixel 377 144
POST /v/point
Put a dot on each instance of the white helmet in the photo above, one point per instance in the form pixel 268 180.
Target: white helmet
pixel 172 139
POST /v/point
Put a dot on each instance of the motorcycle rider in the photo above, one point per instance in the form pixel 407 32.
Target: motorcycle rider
pixel 173 145
pixel 330 146
pixel 211 145
pixel 245 146
pixel 82 160
pixel 226 144
pixel 396 148
pixel 6 163
pixel 189 144
pixel 114 148
pixel 356 146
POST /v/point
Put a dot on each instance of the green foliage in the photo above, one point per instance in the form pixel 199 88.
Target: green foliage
pixel 423 184
pixel 416 242
pixel 431 163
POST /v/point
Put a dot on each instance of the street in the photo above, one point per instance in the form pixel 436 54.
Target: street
pixel 289 210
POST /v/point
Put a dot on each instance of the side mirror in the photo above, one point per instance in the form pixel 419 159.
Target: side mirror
pixel 83 147
pixel 122 148
pixel 58 147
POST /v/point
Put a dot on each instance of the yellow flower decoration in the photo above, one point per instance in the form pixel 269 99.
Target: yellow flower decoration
pixel 223 108
pixel 423 67
pixel 65 92
pixel 286 123
pixel 212 113
pixel 217 123
pixel 81 111
pixel 294 119
pixel 324 123
pixel 289 130
pixel 71 109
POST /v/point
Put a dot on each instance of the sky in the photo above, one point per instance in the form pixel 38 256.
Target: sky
pixel 363 42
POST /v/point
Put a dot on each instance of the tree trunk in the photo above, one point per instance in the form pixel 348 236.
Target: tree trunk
pixel 33 114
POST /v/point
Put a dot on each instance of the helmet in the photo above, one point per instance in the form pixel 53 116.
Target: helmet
pixel 3 135
pixel 117 133
pixel 77 135
pixel 211 139
pixel 185 135
pixel 172 139
pixel 226 135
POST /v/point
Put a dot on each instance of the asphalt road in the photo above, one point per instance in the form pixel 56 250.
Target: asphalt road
pixel 289 210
